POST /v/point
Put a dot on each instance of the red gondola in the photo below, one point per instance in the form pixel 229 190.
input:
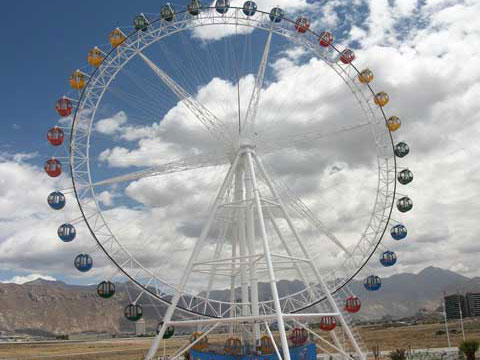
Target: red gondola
pixel 325 38
pixel 353 304
pixel 347 56
pixel 53 167
pixel 298 336
pixel 64 107
pixel 328 323
pixel 302 24
pixel 55 136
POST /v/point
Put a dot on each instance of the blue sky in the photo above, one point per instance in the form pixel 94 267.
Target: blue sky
pixel 49 39
pixel 423 53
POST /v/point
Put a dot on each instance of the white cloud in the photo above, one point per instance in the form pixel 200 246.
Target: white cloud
pixel 432 75
pixel 24 279
pixel 110 126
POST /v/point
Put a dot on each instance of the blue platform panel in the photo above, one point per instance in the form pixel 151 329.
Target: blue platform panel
pixel 305 352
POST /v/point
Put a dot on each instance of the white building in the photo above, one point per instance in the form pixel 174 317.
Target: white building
pixel 140 327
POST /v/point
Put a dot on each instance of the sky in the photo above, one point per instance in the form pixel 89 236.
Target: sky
pixel 423 53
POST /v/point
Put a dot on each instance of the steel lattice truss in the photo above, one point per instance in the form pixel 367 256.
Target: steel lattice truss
pixel 160 288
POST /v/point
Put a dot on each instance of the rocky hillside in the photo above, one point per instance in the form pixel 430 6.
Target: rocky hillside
pixel 58 308
pixel 404 294
pixel 53 307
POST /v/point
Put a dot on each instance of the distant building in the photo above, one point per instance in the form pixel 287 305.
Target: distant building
pixel 453 304
pixel 473 304
pixel 140 327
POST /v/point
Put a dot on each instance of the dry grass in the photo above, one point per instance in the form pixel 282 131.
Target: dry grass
pixel 388 338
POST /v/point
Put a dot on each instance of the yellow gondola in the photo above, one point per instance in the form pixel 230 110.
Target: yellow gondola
pixel 266 345
pixel 77 80
pixel 116 37
pixel 95 56
pixel 381 99
pixel 393 123
pixel 233 346
pixel 365 76
pixel 202 344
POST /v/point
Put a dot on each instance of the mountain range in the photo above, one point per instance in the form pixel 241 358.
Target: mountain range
pixel 45 307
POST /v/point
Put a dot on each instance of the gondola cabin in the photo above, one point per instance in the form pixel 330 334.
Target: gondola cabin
pixel 266 345
pixel 169 331
pixel 401 149
pixel 328 323
pixel 141 23
pixel 95 57
pixel 325 38
pixel 133 312
pixel 56 200
pixel 222 6
pixel 195 7
pixel 405 177
pixel 298 336
pixel 233 346
pixel 202 344
pixel 66 232
pixel 55 136
pixel 404 204
pixel 276 15
pixel 347 56
pixel 83 262
pixel 372 283
pixel 77 80
pixel 249 8
pixel 167 12
pixel 398 232
pixel 116 37
pixel 64 107
pixel 393 123
pixel 381 98
pixel 53 167
pixel 302 24
pixel 388 258
pixel 352 304
pixel 366 76
pixel 106 289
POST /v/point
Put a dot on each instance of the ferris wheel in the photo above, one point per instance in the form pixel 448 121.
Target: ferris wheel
pixel 237 167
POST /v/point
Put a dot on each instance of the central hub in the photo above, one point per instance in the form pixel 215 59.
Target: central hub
pixel 245 142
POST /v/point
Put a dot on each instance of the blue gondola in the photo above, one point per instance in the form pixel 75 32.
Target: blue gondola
pixel 133 312
pixel 66 232
pixel 249 8
pixel 398 232
pixel 388 258
pixel 401 149
pixel 167 12
pixel 56 200
pixel 404 204
pixel 372 283
pixel 222 6
pixel 83 262
pixel 276 15
pixel 195 7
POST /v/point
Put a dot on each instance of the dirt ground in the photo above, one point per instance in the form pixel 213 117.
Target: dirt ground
pixel 387 338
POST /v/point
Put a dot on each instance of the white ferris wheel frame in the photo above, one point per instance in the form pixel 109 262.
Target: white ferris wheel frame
pixel 90 98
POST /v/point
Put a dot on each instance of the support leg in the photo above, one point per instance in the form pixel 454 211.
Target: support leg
pixel 324 286
pixel 171 309
pixel 268 258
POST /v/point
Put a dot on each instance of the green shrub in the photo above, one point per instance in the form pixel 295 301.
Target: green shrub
pixel 469 348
